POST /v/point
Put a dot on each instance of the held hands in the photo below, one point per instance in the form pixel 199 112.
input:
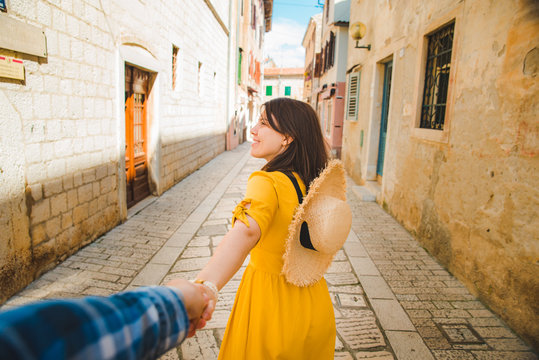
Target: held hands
pixel 199 303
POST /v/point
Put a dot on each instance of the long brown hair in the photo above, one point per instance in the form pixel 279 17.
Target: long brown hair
pixel 306 154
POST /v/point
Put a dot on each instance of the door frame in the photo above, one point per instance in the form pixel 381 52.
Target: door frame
pixel 373 132
pixel 140 57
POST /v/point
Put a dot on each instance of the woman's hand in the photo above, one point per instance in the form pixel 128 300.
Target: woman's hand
pixel 196 301
pixel 210 308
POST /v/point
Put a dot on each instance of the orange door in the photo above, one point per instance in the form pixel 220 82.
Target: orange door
pixel 136 160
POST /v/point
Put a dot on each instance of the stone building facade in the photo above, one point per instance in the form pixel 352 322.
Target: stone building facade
pixel 443 122
pixel 283 82
pixel 254 20
pixel 129 97
pixel 311 43
pixel 330 67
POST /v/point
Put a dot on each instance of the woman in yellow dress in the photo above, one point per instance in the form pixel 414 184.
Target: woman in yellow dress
pixel 271 318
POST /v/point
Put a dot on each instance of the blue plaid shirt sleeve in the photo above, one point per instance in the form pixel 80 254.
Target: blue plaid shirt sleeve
pixel 139 324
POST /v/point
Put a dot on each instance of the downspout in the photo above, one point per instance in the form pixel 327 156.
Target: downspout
pixel 229 55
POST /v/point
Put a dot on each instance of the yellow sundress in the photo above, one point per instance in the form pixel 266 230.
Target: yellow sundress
pixel 272 319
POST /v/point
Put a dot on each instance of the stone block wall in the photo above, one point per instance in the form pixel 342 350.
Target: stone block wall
pixel 468 193
pixel 62 138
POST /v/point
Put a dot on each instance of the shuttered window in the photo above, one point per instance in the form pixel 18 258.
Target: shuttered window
pixel 269 90
pixel 287 90
pixel 353 96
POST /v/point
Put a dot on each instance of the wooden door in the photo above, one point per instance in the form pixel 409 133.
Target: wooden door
pixel 136 160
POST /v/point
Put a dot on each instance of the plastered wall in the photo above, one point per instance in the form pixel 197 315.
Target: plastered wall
pixel 468 193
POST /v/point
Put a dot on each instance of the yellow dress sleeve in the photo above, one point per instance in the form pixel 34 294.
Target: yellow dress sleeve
pixel 262 197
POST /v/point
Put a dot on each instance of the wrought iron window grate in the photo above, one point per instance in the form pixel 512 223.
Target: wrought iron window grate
pixel 440 45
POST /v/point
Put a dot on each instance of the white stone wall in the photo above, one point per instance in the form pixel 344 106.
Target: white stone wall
pixel 63 128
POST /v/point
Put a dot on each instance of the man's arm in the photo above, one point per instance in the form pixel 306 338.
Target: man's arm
pixel 143 323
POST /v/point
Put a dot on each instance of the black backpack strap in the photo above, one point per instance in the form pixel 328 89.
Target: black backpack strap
pixel 296 185
pixel 304 236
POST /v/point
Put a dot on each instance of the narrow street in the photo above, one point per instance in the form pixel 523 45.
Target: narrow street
pixel 392 300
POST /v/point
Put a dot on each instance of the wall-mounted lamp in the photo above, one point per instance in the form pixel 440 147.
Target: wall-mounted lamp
pixel 357 32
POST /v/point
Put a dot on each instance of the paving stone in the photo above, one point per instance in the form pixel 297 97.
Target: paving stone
pixel 96 291
pixel 391 315
pixel 338 344
pixel 348 289
pixel 374 355
pixel 452 355
pixel 212 230
pixel 342 356
pixel 349 300
pixel 504 355
pixel 339 267
pixel 170 355
pixel 437 343
pixel 513 344
pixel 117 271
pixel 190 264
pixel 200 241
pixel 494 332
pixel 408 346
pixel 219 319
pixel 193 252
pixel 215 240
pixel 202 346
pixel 341 279
pixel 360 332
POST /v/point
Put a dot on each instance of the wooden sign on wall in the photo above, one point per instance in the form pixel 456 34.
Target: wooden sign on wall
pixel 11 68
pixel 21 37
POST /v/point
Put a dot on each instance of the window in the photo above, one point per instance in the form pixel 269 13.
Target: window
pixel 287 90
pixel 353 96
pixel 215 85
pixel 199 79
pixel 175 50
pixel 269 90
pixel 253 17
pixel 440 45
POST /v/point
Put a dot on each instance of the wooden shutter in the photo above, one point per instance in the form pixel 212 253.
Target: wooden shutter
pixel 353 96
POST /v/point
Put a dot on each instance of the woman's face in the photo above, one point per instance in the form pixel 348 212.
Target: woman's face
pixel 267 142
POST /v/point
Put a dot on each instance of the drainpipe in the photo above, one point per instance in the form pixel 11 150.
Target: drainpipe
pixel 228 70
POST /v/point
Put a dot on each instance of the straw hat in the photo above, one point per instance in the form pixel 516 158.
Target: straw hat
pixel 328 217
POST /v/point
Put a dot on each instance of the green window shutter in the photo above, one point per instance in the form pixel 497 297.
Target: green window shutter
pixel 239 69
pixel 353 96
pixel 287 90
pixel 269 90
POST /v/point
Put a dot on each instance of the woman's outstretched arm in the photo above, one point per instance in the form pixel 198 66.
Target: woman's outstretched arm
pixel 228 258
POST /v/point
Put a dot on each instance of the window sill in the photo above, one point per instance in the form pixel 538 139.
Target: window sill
pixel 440 136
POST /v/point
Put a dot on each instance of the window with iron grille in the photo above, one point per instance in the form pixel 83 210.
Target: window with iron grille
pixel 440 45
pixel 353 96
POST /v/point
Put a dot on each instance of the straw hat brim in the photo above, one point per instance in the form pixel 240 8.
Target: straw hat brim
pixel 327 197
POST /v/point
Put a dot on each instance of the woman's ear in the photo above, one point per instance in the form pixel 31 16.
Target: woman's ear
pixel 287 140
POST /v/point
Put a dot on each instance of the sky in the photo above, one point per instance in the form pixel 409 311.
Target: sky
pixel 288 25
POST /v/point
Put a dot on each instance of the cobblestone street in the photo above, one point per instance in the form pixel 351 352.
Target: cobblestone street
pixel 392 300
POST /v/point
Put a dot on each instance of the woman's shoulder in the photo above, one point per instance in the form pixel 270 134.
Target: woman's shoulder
pixel 277 178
